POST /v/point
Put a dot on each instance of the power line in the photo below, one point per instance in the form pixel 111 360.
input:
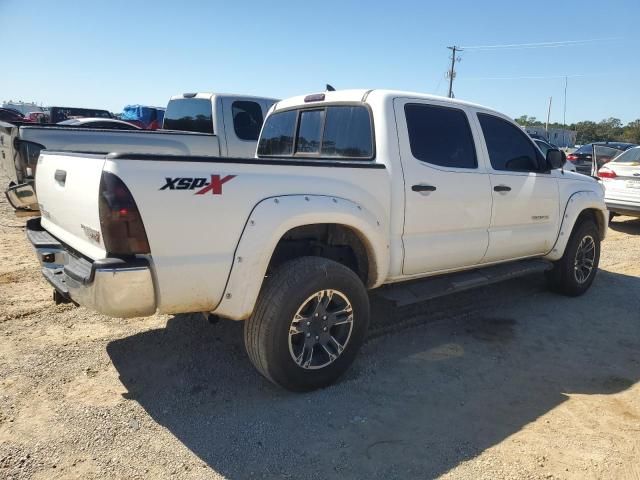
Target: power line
pixel 544 77
pixel 563 43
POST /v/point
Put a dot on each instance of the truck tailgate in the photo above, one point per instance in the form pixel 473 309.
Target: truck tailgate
pixel 68 186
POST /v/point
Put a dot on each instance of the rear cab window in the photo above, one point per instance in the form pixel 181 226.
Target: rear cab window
pixel 322 132
pixel 189 115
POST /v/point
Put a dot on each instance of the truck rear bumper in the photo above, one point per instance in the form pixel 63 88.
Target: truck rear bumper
pixel 112 286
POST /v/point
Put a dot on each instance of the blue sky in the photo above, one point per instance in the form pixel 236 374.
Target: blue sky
pixel 111 53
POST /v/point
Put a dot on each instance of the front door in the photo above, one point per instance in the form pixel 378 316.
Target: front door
pixel 525 214
pixel 447 190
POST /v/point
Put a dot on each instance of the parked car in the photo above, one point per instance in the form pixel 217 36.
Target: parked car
pixel 36 117
pixel 149 118
pixel 60 114
pixel 350 190
pixel 108 123
pixel 621 180
pixel 582 157
pixel 545 146
pixel 200 124
pixel 11 115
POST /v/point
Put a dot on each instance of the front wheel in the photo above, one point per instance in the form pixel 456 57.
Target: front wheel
pixel 573 274
pixel 309 322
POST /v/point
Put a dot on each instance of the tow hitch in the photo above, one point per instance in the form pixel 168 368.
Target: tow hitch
pixel 59 298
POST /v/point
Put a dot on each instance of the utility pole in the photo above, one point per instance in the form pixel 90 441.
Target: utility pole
pixel 564 114
pixel 548 116
pixel 452 72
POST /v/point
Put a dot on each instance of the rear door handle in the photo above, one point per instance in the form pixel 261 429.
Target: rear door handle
pixel 501 188
pixel 60 176
pixel 423 188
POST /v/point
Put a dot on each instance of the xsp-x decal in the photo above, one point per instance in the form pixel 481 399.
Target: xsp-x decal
pixel 213 185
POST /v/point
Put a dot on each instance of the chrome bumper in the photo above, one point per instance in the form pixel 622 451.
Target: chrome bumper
pixel 631 209
pixel 112 286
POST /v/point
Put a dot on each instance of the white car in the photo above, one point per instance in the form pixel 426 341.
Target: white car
pixel 621 180
pixel 350 190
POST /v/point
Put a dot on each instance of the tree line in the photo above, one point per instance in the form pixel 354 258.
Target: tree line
pixel 610 129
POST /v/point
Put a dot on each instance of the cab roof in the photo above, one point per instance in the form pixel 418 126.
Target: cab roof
pixel 360 95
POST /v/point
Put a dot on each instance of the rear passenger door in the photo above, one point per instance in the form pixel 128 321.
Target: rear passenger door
pixel 447 190
pixel 525 213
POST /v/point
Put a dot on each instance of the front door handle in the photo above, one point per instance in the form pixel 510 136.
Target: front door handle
pixel 423 188
pixel 501 188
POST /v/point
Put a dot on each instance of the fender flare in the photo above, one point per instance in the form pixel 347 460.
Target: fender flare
pixel 271 218
pixel 576 204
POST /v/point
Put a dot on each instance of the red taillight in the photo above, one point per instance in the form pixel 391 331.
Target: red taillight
pixel 122 228
pixel 605 172
pixel 572 158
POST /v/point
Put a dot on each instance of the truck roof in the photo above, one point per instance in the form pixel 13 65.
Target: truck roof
pixel 359 95
pixel 217 94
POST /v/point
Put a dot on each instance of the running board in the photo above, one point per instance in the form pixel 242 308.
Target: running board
pixel 416 291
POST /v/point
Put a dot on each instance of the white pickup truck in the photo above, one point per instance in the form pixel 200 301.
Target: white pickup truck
pixel 205 124
pixel 350 190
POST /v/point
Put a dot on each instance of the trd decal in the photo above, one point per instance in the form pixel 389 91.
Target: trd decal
pixel 213 185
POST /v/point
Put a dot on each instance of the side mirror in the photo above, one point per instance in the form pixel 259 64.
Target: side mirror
pixel 22 197
pixel 555 158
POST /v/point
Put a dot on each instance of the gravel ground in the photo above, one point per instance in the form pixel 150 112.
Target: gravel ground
pixel 508 381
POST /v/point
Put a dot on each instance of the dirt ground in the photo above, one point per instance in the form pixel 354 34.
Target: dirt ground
pixel 509 381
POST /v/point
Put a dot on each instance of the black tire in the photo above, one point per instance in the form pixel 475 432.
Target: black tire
pixel 285 292
pixel 564 277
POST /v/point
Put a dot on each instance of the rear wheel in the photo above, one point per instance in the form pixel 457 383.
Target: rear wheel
pixel 573 274
pixel 309 322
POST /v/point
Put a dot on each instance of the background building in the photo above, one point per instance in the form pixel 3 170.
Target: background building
pixel 561 137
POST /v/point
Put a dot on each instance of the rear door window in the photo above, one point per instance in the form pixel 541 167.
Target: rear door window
pixel 189 115
pixel 509 147
pixel 247 119
pixel 336 131
pixel 440 136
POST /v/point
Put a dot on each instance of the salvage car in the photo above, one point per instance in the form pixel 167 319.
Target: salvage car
pixel 582 158
pixel 350 190
pixel 621 180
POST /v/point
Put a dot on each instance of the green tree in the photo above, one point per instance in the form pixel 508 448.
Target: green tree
pixel 587 132
pixel 527 121
pixel 631 132
pixel 610 129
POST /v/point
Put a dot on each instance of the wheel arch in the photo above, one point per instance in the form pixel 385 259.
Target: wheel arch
pixel 311 222
pixel 581 205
